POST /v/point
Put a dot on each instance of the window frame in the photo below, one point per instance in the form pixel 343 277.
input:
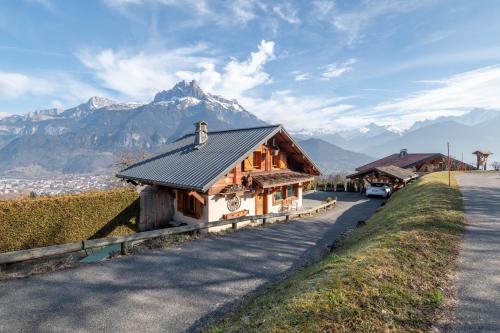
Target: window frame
pixel 257 157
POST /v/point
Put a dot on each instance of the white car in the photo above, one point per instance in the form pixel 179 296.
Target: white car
pixel 378 190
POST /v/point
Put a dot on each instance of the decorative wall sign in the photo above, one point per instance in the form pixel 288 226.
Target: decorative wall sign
pixel 233 203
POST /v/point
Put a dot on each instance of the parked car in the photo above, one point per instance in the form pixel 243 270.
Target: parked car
pixel 378 190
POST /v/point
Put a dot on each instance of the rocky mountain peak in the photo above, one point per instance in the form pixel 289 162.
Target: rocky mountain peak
pixel 98 102
pixel 180 90
pixel 43 114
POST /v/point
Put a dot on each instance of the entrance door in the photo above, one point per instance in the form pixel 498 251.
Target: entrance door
pixel 259 204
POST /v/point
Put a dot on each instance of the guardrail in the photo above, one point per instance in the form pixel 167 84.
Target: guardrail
pixel 23 255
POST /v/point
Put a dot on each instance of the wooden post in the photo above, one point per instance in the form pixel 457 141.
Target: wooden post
pixel 124 248
pixel 449 165
pixel 234 225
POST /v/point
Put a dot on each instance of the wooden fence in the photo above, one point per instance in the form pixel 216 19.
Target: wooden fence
pixel 22 255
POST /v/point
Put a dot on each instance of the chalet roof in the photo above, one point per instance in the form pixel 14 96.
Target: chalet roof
pixel 407 161
pixel 389 170
pixel 271 179
pixel 483 152
pixel 184 165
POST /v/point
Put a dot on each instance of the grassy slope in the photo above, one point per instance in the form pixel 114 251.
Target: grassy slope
pixel 386 276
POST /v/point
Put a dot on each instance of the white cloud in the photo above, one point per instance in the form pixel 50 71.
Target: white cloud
pixel 4 114
pixel 287 12
pixel 68 89
pixel 222 13
pixel 455 94
pixel 301 76
pixel 335 70
pixel 239 77
pixel 298 112
pixel 141 75
pixel 354 21
pixel 242 11
pixel 198 6
pixel 13 85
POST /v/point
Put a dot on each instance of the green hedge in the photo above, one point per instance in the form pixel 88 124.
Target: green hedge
pixel 28 223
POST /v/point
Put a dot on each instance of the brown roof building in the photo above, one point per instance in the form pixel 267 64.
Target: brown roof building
pixel 418 162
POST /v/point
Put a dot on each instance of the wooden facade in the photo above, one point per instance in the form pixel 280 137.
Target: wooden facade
pixel 278 159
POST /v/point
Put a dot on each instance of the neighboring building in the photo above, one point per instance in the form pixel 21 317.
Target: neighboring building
pixel 482 158
pixel 398 170
pixel 392 175
pixel 418 162
pixel 209 176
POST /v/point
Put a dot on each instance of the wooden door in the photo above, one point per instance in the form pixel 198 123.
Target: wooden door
pixel 259 204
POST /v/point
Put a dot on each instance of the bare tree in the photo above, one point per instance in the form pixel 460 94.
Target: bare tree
pixel 496 166
pixel 129 158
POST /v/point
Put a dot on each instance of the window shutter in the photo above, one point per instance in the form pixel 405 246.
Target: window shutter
pixel 282 161
pixel 180 200
pixel 247 165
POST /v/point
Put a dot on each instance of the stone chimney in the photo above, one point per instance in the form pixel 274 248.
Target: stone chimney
pixel 403 152
pixel 201 133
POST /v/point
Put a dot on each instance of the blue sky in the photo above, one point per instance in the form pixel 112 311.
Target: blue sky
pixel 311 65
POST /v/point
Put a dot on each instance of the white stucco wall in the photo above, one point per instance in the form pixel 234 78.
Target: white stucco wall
pixel 270 207
pixel 217 206
pixel 299 200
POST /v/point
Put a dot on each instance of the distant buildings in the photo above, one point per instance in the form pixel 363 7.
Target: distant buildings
pixel 61 184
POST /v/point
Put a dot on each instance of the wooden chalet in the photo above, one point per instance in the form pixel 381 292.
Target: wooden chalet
pixel 399 169
pixel 417 162
pixel 209 176
pixel 392 175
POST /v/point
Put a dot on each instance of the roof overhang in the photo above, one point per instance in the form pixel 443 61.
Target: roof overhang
pixel 390 171
pixel 275 179
pixel 279 128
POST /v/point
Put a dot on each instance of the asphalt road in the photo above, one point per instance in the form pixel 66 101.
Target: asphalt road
pixel 175 289
pixel 478 284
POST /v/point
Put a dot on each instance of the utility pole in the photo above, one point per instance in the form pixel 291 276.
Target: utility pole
pixel 449 165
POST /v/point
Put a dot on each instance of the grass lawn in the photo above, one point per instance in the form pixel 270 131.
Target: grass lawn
pixel 387 276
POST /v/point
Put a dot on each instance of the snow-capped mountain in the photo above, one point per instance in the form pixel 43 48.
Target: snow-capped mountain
pixel 473 117
pixel 88 137
pixel 355 139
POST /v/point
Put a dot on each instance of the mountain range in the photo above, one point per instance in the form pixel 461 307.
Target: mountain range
pixel 90 137
pixel 473 130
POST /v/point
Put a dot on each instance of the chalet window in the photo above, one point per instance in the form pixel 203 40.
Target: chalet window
pixel 278 195
pixel 290 191
pixel 190 208
pixel 257 159
pixel 188 205
pixel 276 161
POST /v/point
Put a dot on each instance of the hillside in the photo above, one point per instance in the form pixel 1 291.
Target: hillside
pixel 90 136
pixel 330 157
pixel 390 275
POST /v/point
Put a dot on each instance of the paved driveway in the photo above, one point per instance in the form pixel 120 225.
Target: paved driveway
pixel 175 289
pixel 478 282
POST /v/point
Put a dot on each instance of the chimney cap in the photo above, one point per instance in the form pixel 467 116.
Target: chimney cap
pixel 201 122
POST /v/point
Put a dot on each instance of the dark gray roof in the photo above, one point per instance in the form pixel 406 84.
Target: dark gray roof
pixel 182 165
pixel 391 170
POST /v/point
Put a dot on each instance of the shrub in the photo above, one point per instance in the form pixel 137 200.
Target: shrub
pixel 43 221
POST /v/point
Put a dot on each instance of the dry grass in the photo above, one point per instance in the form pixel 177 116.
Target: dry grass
pixel 387 276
